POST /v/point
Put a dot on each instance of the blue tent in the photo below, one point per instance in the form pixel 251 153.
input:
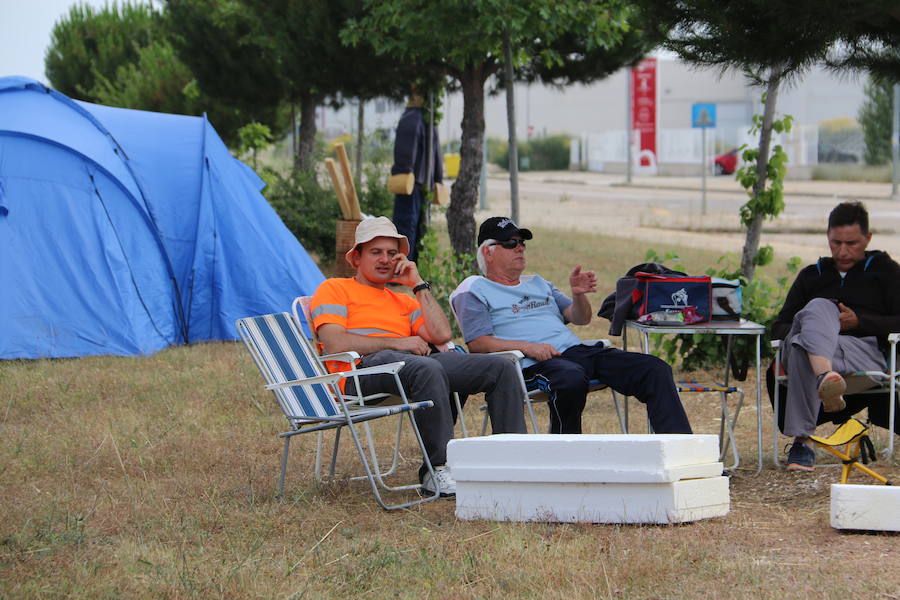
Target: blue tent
pixel 124 231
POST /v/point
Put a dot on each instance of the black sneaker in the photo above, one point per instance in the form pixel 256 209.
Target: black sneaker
pixel 801 457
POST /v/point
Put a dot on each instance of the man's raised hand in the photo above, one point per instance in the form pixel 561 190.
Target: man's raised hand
pixel 582 282
pixel 405 271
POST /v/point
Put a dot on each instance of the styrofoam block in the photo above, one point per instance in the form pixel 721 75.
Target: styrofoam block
pixel 674 502
pixel 584 458
pixel 869 507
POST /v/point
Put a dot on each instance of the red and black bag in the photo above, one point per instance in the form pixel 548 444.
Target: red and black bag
pixel 672 292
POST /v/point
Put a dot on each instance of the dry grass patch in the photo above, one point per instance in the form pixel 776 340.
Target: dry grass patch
pixel 154 478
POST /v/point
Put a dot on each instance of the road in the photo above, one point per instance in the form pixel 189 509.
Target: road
pixel 668 210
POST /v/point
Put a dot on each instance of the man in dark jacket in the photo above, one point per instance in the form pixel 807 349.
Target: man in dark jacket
pixel 835 320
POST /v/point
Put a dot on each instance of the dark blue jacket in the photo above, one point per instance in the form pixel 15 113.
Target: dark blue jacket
pixel 411 149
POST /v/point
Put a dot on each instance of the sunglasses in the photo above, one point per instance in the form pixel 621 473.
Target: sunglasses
pixel 509 244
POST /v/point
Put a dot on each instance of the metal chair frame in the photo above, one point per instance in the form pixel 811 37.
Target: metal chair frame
pixel 301 305
pixel 312 401
pixel 872 382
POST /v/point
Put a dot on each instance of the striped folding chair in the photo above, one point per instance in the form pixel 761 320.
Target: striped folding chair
pixel 300 311
pixel 301 306
pixel 310 400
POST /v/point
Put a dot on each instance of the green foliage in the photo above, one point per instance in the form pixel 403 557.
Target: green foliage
pixel 307 209
pixel 444 269
pixel 254 137
pixel 90 44
pixel 762 298
pixel 155 80
pixel 549 153
pixel 876 118
pixel 768 202
pixel 310 211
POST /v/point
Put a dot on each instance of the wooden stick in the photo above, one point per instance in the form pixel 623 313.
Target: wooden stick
pixel 349 186
pixel 338 188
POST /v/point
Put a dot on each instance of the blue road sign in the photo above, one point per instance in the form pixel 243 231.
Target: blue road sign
pixel 703 115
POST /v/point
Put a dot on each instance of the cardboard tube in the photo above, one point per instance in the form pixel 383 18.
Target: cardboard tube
pixel 401 183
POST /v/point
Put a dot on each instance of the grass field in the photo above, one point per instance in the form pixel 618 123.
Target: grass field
pixel 154 477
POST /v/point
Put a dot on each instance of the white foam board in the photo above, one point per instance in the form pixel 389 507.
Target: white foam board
pixel 615 458
pixel 672 502
pixel 867 507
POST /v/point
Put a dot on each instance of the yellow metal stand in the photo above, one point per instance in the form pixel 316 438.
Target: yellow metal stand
pixel 854 437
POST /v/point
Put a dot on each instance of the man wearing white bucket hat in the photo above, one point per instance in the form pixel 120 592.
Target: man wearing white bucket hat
pixel 361 314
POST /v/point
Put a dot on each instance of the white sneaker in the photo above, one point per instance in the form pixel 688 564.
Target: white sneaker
pixel 445 482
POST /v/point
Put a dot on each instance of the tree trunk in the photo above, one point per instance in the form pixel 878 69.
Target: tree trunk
pixel 360 138
pixel 751 243
pixel 305 160
pixel 464 194
pixel 511 126
pixel 294 132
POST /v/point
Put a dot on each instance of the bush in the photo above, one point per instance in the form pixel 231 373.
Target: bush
pixel 543 154
pixel 444 269
pixel 310 211
pixel 307 209
pixel 550 153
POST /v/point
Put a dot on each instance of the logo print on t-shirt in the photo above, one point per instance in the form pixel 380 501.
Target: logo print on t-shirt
pixel 526 303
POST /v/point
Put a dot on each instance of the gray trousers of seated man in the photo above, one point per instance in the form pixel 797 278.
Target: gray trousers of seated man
pixel 816 330
pixel 435 377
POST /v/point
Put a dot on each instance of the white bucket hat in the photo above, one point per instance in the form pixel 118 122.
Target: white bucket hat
pixel 373 227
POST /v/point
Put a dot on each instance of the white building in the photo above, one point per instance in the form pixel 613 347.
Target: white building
pixel 596 114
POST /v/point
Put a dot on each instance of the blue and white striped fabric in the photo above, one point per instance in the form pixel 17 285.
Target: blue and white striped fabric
pixel 285 355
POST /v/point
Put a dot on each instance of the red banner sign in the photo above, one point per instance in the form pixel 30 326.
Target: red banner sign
pixel 643 111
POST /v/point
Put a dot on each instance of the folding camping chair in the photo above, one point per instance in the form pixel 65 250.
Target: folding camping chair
pixel 853 435
pixel 311 401
pixel 859 382
pixel 301 306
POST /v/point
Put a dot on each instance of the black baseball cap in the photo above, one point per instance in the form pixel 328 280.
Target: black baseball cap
pixel 501 229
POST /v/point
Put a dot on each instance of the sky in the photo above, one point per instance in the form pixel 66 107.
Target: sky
pixel 25 27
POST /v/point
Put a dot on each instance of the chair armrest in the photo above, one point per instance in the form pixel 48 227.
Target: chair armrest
pixel 326 379
pixel 390 368
pixel 347 357
pixel 513 355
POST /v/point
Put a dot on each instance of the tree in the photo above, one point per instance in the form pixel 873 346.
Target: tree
pixel 876 116
pixel 870 38
pixel 771 41
pixel 267 53
pixel 88 44
pixel 464 40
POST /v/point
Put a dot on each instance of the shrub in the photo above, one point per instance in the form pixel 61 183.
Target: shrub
pixel 307 209
pixel 549 153
pixel 444 269
pixel 543 154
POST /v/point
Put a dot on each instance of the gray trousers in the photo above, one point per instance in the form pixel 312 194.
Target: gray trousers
pixel 816 330
pixel 435 377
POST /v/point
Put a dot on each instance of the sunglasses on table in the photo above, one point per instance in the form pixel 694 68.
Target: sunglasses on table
pixel 509 244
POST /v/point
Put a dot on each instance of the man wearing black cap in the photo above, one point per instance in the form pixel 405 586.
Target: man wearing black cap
pixel 506 310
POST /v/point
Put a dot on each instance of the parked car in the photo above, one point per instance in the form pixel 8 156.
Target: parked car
pixel 726 164
pixel 830 154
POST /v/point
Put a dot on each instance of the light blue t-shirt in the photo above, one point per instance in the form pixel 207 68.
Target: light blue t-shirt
pixel 530 311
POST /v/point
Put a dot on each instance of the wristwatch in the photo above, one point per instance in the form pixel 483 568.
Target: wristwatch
pixel 422 286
